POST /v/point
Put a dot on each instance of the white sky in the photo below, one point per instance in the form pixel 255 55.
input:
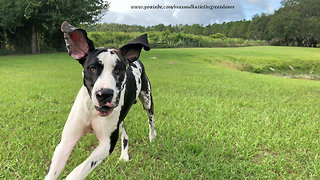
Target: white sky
pixel 120 11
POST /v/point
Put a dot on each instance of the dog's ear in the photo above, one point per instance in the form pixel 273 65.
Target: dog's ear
pixel 77 42
pixel 131 51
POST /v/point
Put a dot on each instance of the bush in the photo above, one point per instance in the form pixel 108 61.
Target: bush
pixel 170 40
pixel 218 36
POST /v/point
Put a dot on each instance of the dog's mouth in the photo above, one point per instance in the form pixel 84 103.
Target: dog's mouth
pixel 104 110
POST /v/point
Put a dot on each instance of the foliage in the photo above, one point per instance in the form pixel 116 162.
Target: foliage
pixel 212 122
pixel 218 36
pixel 296 23
pixel 170 40
pixel 20 19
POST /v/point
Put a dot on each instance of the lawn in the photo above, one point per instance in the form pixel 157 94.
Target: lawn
pixel 212 120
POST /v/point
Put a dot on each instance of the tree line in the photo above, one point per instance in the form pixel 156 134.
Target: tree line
pixel 34 26
pixel 165 39
pixel 296 23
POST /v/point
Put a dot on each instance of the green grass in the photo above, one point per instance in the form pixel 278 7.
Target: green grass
pixel 212 122
pixel 260 59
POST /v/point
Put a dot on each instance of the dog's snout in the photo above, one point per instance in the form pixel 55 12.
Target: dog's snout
pixel 104 95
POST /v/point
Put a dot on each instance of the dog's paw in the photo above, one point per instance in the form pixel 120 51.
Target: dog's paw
pixel 152 136
pixel 124 158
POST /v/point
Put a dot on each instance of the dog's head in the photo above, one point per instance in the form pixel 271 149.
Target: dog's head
pixel 104 70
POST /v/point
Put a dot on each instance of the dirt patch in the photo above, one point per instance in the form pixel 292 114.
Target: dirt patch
pixel 246 67
pixel 229 65
pixel 303 76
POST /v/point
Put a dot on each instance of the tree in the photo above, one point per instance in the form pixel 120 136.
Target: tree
pixel 41 19
pixel 159 27
pixel 2 39
pixel 258 27
pixel 300 22
pixel 286 27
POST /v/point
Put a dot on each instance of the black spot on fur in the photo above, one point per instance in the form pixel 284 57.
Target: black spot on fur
pixel 121 74
pixel 93 163
pixel 130 93
pixel 125 143
pixel 150 111
pixel 150 121
pixel 114 138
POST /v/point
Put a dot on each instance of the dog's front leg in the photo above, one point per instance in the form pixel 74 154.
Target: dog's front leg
pixel 107 134
pixel 124 143
pixel 60 158
pixel 72 132
pixel 97 156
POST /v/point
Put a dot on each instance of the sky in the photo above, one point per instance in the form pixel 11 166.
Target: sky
pixel 197 11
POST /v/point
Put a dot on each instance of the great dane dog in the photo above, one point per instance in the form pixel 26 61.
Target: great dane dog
pixel 112 81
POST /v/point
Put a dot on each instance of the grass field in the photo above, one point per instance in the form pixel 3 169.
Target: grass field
pixel 213 121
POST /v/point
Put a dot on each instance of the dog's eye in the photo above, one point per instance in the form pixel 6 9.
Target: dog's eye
pixel 92 69
pixel 116 70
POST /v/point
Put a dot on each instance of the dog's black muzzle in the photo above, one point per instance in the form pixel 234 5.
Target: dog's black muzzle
pixel 104 96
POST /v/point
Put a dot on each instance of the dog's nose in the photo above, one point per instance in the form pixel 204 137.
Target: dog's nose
pixel 104 95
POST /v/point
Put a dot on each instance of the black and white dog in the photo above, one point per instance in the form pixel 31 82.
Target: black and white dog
pixel 112 81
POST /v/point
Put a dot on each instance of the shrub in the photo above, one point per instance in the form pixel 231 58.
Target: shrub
pixel 170 40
